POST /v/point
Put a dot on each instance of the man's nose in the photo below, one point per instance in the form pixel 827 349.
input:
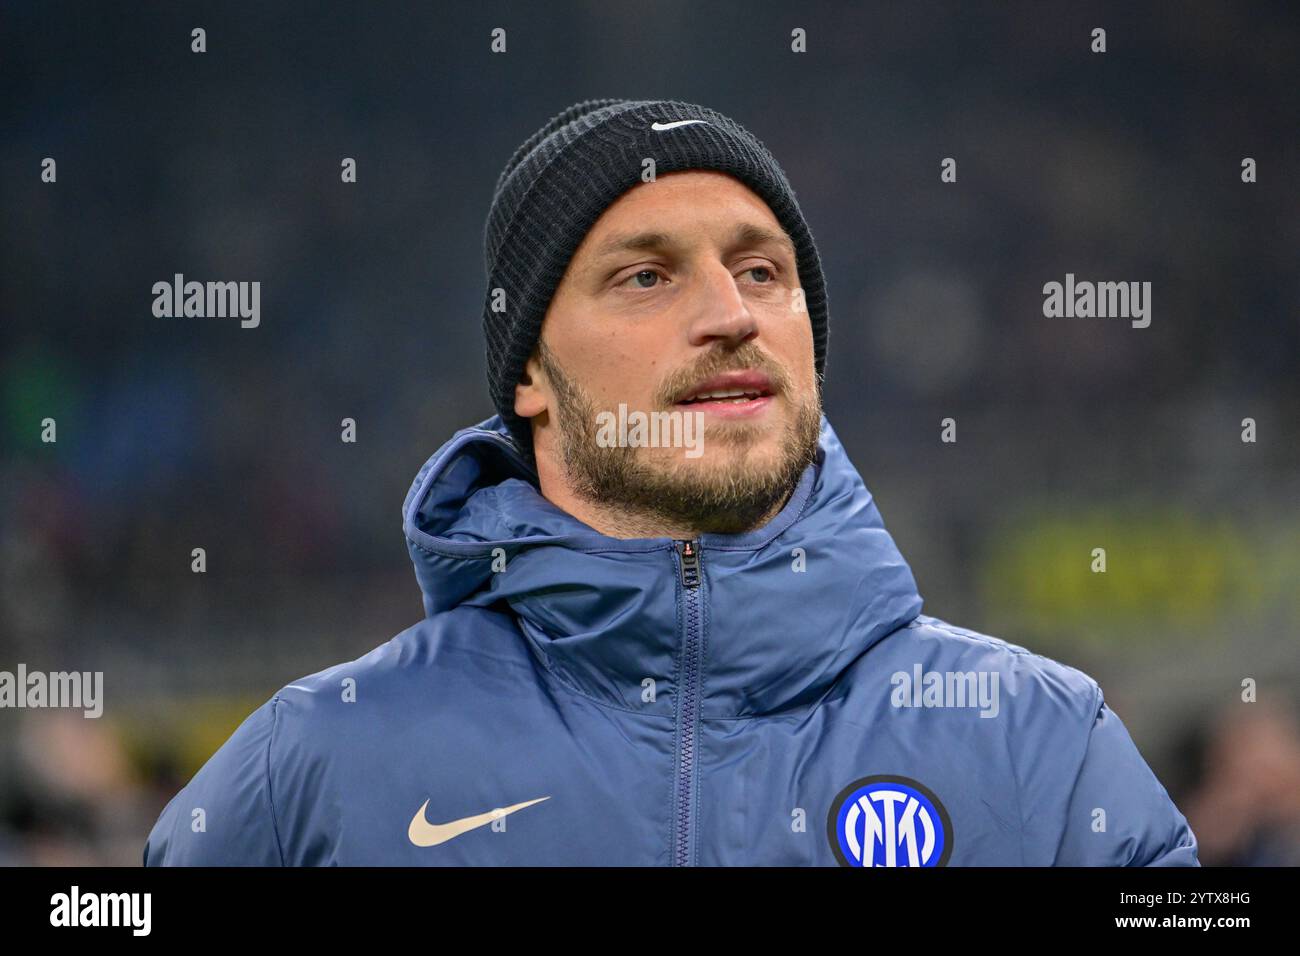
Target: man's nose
pixel 720 310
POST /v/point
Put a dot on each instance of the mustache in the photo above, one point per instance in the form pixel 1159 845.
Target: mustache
pixel 747 357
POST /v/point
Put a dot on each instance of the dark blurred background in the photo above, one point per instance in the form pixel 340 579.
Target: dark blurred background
pixel 1072 433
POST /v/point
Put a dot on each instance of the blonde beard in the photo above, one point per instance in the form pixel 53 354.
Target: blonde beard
pixel 652 487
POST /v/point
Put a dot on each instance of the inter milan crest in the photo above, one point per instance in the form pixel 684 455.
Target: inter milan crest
pixel 888 820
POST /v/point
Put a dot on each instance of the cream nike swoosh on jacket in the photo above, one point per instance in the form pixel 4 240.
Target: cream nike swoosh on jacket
pixel 423 833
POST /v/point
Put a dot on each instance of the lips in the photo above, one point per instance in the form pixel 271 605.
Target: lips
pixel 734 388
pixel 732 395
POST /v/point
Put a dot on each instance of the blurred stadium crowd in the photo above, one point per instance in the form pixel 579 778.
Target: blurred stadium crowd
pixel 1072 434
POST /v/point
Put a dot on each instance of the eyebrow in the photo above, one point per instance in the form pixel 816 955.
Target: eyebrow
pixel 747 234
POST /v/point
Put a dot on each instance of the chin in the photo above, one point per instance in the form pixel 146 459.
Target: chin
pixel 750 441
pixel 726 453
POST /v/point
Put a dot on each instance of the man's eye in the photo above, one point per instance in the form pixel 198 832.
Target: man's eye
pixel 763 269
pixel 645 279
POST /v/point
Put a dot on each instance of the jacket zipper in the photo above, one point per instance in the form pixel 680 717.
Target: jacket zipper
pixel 688 553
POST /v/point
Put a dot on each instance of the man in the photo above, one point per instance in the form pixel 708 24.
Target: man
pixel 665 624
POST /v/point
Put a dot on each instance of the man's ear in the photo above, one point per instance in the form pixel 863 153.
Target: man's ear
pixel 530 396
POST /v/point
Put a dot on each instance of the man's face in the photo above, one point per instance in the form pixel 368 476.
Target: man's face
pixel 684 286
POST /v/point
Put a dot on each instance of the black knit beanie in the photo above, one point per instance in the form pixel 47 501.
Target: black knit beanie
pixel 560 181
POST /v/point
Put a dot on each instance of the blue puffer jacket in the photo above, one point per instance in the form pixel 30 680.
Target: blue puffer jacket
pixel 768 698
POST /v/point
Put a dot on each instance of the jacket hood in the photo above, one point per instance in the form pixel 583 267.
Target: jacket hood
pixel 786 607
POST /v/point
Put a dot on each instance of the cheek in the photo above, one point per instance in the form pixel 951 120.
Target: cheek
pixel 789 336
pixel 620 369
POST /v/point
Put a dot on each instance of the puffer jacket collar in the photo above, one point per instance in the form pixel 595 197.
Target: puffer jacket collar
pixel 786 608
